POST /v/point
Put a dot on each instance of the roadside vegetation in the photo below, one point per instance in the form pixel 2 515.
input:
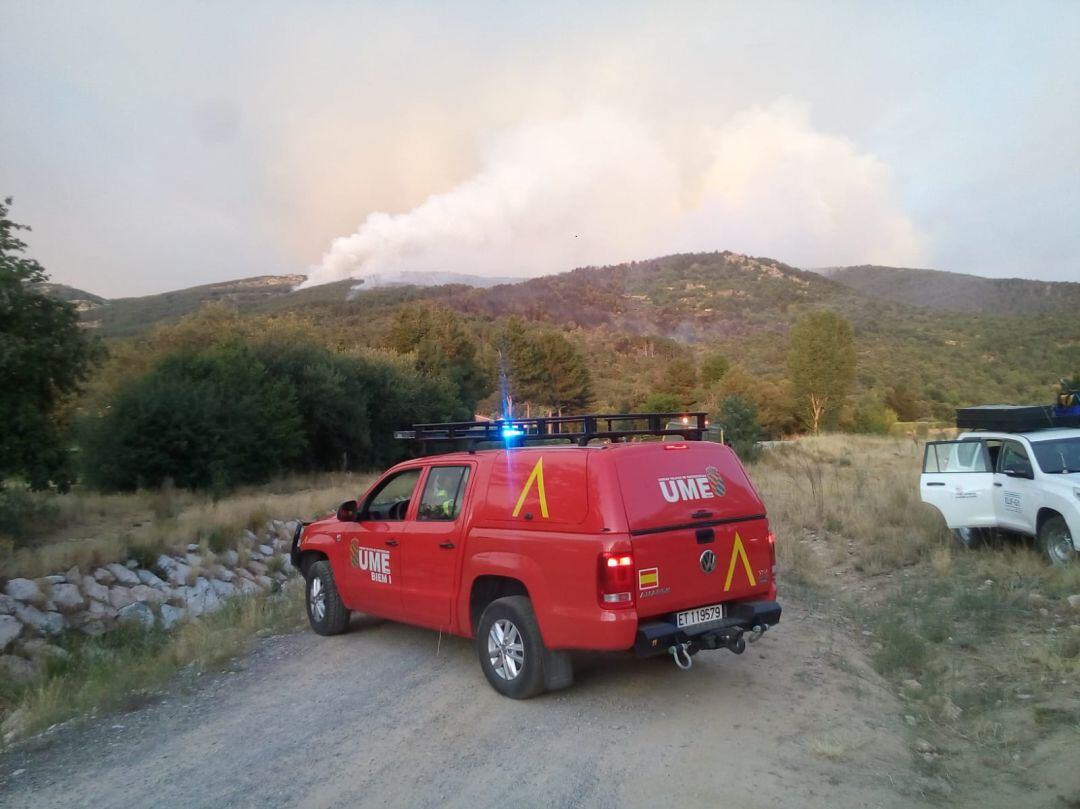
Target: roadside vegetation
pixel 89 529
pixel 125 668
pixel 982 647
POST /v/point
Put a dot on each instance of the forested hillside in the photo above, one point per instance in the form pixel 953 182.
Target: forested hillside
pixel 956 292
pixel 640 325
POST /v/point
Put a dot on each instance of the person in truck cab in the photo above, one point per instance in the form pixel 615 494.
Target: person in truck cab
pixel 442 504
pixel 536 549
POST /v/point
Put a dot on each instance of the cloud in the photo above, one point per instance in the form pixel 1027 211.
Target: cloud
pixel 602 187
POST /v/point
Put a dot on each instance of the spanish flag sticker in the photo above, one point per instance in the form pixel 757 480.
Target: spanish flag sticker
pixel 648 578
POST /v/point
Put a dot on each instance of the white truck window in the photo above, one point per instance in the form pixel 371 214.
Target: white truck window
pixel 956 456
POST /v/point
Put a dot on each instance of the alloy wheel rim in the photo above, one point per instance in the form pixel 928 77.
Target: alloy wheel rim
pixel 317 598
pixel 506 649
pixel 1061 546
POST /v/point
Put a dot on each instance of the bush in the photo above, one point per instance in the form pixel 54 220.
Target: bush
pixel 211 420
pixel 233 415
pixel 20 512
pixel 872 416
pixel 741 429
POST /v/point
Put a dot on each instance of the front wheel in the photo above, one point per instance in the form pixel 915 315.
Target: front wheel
pixel 326 612
pixel 1056 541
pixel 510 647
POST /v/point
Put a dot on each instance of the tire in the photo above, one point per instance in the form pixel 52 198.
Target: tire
pixel 970 538
pixel 1056 542
pixel 510 647
pixel 326 612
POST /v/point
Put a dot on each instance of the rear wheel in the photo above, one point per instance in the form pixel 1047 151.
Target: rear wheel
pixel 510 647
pixel 326 611
pixel 970 538
pixel 1056 541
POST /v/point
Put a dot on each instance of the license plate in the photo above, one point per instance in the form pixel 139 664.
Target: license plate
pixel 699 615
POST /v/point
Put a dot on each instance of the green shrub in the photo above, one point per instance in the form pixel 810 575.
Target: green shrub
pixel 902 650
pixel 741 428
pixel 211 420
pixel 145 555
pixel 233 414
pixel 24 514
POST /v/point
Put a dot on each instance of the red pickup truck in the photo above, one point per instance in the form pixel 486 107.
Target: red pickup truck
pixel 660 547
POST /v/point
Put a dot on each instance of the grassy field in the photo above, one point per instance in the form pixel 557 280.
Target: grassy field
pixel 981 646
pixel 88 529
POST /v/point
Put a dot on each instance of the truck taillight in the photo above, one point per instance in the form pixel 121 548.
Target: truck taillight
pixel 615 580
pixel 771 539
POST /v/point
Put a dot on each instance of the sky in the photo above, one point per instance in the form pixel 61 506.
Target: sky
pixel 155 146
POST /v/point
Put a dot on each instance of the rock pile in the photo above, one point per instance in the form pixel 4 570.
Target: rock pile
pixel 175 587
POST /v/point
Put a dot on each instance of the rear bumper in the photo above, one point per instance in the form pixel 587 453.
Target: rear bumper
pixel 658 636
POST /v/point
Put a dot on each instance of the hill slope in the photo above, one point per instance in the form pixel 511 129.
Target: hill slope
pixel 956 292
pixel 631 320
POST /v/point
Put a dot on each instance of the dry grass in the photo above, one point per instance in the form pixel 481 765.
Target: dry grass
pixel 97 529
pixel 827 747
pixel 121 668
pixel 839 501
pixel 980 646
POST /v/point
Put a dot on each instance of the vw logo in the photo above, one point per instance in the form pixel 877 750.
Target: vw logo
pixel 708 561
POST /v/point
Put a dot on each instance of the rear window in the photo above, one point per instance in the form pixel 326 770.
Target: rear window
pixel 667 485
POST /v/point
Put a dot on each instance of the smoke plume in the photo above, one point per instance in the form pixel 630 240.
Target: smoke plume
pixel 602 187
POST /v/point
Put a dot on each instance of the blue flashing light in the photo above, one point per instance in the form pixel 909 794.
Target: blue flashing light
pixel 512 432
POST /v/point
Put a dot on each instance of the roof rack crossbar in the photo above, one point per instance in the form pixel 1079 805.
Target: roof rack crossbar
pixel 579 429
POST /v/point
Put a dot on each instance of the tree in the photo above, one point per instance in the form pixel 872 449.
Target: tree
pixel 777 410
pixel 903 403
pixel 544 369
pixel 237 413
pixel 211 420
pixel 680 379
pixel 660 403
pixel 442 347
pixel 713 368
pixel 44 358
pixel 821 362
pixel 568 378
pixel 742 431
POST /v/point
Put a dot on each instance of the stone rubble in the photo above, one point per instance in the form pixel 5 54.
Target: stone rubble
pixel 35 613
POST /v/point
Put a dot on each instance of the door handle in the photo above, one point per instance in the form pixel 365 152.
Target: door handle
pixel 700 515
pixel 446 545
pixel 391 543
pixel 998 484
pixel 935 483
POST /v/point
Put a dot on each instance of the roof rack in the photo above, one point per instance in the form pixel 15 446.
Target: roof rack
pixel 580 430
pixel 1017 418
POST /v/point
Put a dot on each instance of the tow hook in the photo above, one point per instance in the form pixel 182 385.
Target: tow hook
pixel 684 662
pixel 735 644
pixel 757 632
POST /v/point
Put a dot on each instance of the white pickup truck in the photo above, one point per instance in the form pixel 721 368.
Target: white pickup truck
pixel 1025 482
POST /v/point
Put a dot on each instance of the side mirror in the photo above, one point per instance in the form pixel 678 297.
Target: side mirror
pixel 347 511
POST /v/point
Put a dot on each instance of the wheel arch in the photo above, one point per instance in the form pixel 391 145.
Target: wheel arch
pixel 308 558
pixel 488 587
pixel 1072 522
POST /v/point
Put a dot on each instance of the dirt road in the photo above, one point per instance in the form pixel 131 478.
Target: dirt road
pixel 377 718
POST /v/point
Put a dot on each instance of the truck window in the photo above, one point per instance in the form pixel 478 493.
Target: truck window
pixel 443 493
pixel 1014 459
pixel 956 456
pixel 1058 457
pixel 391 500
